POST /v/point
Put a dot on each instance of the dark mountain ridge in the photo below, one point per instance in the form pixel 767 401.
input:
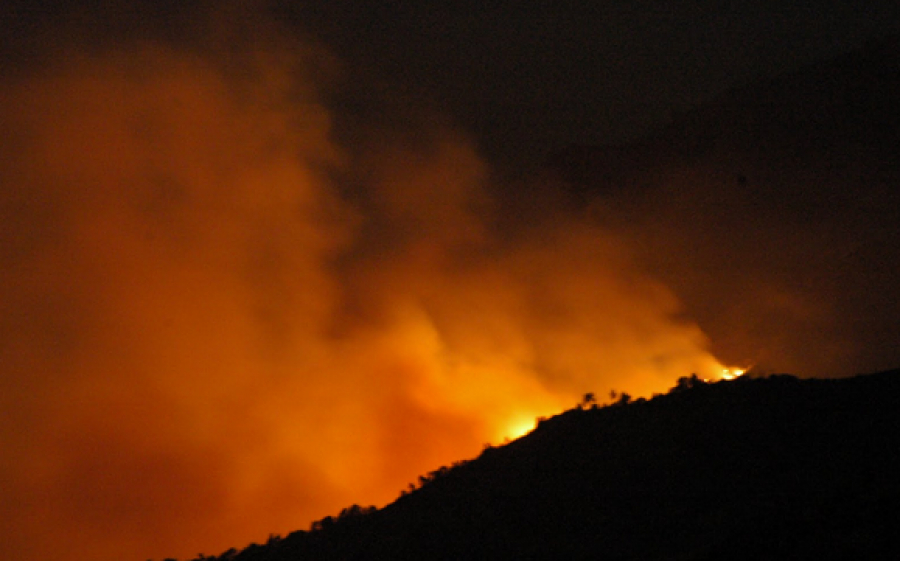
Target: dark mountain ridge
pixel 774 468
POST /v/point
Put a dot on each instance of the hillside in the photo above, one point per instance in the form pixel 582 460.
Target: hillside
pixel 769 468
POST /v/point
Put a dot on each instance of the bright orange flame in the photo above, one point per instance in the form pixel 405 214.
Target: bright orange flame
pixel 728 373
pixel 518 428
pixel 733 373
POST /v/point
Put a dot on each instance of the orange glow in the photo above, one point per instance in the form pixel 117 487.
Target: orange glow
pixel 732 373
pixel 518 428
pixel 206 340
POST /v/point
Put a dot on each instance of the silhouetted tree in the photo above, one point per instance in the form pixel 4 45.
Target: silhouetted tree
pixel 587 400
pixel 355 511
pixel 688 382
pixel 324 524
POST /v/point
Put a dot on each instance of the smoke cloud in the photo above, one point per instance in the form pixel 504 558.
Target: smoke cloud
pixel 229 309
pixel 783 246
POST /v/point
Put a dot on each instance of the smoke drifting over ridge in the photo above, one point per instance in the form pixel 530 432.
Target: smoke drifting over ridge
pixel 219 321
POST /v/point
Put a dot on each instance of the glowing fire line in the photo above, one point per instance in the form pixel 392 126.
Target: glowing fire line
pixel 732 373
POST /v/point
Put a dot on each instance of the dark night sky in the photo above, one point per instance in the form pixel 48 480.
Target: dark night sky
pixel 530 77
pixel 533 76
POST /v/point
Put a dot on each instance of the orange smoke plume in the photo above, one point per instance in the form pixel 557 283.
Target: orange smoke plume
pixel 219 323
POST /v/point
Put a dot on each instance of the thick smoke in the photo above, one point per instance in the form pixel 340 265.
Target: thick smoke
pixel 221 322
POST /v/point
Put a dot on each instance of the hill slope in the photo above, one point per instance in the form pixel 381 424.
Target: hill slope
pixel 775 468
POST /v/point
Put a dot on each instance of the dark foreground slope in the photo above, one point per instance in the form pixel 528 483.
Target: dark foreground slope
pixel 775 468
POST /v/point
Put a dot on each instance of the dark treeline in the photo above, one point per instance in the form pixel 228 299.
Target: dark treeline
pixel 757 468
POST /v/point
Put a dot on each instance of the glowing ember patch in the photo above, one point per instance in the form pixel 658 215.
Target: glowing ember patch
pixel 732 373
pixel 519 428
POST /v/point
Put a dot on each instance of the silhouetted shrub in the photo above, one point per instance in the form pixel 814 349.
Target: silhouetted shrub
pixel 687 382
pixel 323 525
pixel 355 511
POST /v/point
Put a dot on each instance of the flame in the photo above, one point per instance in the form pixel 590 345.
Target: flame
pixel 518 428
pixel 733 373
pixel 728 373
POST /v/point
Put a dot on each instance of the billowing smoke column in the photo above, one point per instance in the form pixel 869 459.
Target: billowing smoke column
pixel 219 323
